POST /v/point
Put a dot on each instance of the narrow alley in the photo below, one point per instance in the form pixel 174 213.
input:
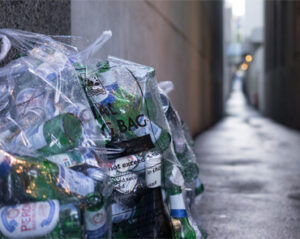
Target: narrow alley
pixel 250 167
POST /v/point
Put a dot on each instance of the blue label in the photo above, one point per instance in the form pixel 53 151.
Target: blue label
pixel 112 87
pixel 29 220
pixel 178 213
pixel 4 165
pixel 9 226
pixel 108 100
pixel 50 217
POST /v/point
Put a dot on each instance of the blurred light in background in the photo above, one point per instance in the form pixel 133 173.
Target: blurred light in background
pixel 244 66
pixel 238 7
pixel 249 58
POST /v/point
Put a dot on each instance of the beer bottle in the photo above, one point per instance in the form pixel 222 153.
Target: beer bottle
pixel 43 219
pixel 54 136
pixel 95 218
pixel 182 227
pixel 27 178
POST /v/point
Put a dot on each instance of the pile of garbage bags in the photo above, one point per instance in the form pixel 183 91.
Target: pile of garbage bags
pixel 90 148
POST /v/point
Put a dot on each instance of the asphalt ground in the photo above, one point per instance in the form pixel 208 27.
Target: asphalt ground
pixel 250 166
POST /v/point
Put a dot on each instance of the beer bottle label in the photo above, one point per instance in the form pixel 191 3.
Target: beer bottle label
pixel 120 213
pixel 177 206
pixel 150 128
pixel 63 159
pixel 29 220
pixel 75 182
pixel 36 138
pixel 95 223
pixel 153 174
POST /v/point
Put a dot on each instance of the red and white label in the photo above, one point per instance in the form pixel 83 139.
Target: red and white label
pixel 29 220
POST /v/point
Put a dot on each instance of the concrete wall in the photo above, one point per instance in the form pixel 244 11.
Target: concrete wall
pixel 282 61
pixel 175 37
pixel 47 17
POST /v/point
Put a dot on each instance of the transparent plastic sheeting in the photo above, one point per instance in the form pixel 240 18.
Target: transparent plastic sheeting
pixel 87 146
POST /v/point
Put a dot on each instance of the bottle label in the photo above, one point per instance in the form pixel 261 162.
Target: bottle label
pixel 29 220
pixel 63 159
pixel 36 138
pixel 150 128
pixel 120 213
pixel 95 223
pixel 153 171
pixel 75 182
pixel 177 206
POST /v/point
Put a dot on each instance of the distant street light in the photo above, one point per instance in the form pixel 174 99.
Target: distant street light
pixel 248 58
pixel 244 66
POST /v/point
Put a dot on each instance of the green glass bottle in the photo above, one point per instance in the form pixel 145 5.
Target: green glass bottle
pixel 28 178
pixel 43 219
pixel 75 158
pixel 199 187
pixel 95 218
pixel 54 136
pixel 178 212
pixel 152 210
pixel 67 159
pixel 190 171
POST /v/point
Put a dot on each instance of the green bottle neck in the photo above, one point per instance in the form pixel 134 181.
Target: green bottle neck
pixel 94 202
pixel 174 190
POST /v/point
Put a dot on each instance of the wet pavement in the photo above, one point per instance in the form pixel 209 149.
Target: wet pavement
pixel 250 166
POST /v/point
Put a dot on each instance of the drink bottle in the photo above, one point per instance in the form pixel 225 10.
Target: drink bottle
pixel 151 219
pixel 43 219
pixel 183 151
pixel 95 217
pixel 54 136
pixel 85 114
pixel 77 157
pixel 180 220
pixel 27 178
